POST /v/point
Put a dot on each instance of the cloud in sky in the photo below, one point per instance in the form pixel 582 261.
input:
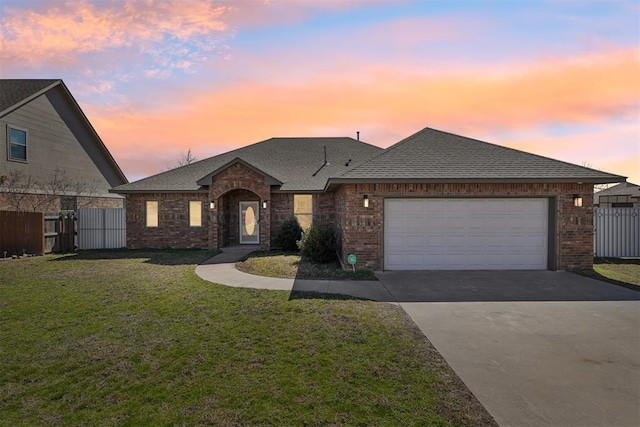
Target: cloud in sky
pixel 214 75
pixel 526 97
pixel 168 34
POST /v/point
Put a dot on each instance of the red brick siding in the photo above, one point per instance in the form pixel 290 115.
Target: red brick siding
pixel 222 190
pixel 361 229
pixel 281 207
pixel 324 211
pixel 173 228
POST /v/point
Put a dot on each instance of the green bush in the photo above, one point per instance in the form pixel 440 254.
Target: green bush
pixel 318 243
pixel 288 235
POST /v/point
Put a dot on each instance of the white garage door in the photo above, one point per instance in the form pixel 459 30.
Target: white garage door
pixel 465 234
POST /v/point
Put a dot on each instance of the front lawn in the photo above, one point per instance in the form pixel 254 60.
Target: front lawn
pixel 136 338
pixel 622 270
pixel 290 265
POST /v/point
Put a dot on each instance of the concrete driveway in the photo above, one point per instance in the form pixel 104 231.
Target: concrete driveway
pixel 536 348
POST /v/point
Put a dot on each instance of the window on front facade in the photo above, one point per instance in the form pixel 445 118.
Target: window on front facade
pixel 303 209
pixel 17 144
pixel 152 214
pixel 68 203
pixel 195 213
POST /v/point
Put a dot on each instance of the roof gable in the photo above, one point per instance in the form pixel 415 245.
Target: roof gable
pixel 622 189
pixel 15 93
pixel 434 156
pixel 207 179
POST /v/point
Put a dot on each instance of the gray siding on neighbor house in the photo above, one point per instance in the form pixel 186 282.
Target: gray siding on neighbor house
pixel 53 142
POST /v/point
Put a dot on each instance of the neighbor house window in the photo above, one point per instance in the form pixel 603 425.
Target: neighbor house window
pixel 152 214
pixel 195 213
pixel 303 209
pixel 68 203
pixel 17 144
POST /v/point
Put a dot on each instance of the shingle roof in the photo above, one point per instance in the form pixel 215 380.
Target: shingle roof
pixel 622 189
pixel 432 155
pixel 292 161
pixel 13 91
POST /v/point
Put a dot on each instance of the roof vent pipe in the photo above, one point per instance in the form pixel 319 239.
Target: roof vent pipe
pixel 358 135
pixel 324 163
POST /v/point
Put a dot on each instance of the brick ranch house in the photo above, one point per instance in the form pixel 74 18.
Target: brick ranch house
pixel 434 200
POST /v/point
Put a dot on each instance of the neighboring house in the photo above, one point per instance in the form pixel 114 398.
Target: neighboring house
pixel 623 195
pixel 51 158
pixel 434 200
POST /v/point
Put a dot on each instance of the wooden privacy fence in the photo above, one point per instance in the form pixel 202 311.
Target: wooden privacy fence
pixel 60 233
pixel 21 232
pixel 101 228
pixel 617 232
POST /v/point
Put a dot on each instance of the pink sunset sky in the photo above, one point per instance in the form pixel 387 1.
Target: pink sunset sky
pixel 156 78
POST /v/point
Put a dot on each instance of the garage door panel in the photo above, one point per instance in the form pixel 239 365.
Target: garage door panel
pixel 436 241
pixel 537 206
pixel 415 242
pixel 438 206
pixel 477 241
pixel 466 234
pixel 435 222
pixel 415 223
pixel 395 241
pixel 477 223
pixel 455 241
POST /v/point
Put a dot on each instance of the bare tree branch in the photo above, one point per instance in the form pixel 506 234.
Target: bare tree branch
pixel 185 159
pixel 24 192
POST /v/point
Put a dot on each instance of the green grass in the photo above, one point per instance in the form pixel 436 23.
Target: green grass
pixel 136 338
pixel 290 266
pixel 622 272
pixel 627 271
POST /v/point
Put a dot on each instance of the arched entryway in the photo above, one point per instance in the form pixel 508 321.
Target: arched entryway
pixel 240 218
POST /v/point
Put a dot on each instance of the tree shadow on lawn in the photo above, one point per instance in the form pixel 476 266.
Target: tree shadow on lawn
pixel 167 256
pixel 294 295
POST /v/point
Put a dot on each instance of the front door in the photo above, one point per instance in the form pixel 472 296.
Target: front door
pixel 249 223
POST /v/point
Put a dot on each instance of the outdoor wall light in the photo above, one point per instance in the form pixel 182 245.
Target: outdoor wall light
pixel 365 200
pixel 212 205
pixel 264 204
pixel 577 200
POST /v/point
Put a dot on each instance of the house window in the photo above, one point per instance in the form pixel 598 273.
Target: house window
pixel 17 144
pixel 68 203
pixel 195 213
pixel 303 209
pixel 152 214
pixel 622 205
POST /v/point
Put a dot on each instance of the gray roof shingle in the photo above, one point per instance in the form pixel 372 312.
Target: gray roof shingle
pixel 433 155
pixel 622 189
pixel 13 91
pixel 292 161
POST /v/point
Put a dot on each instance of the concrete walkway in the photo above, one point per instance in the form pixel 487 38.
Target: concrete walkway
pixel 221 269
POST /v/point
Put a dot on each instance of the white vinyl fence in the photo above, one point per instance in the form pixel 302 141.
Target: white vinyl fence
pixel 617 232
pixel 101 228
